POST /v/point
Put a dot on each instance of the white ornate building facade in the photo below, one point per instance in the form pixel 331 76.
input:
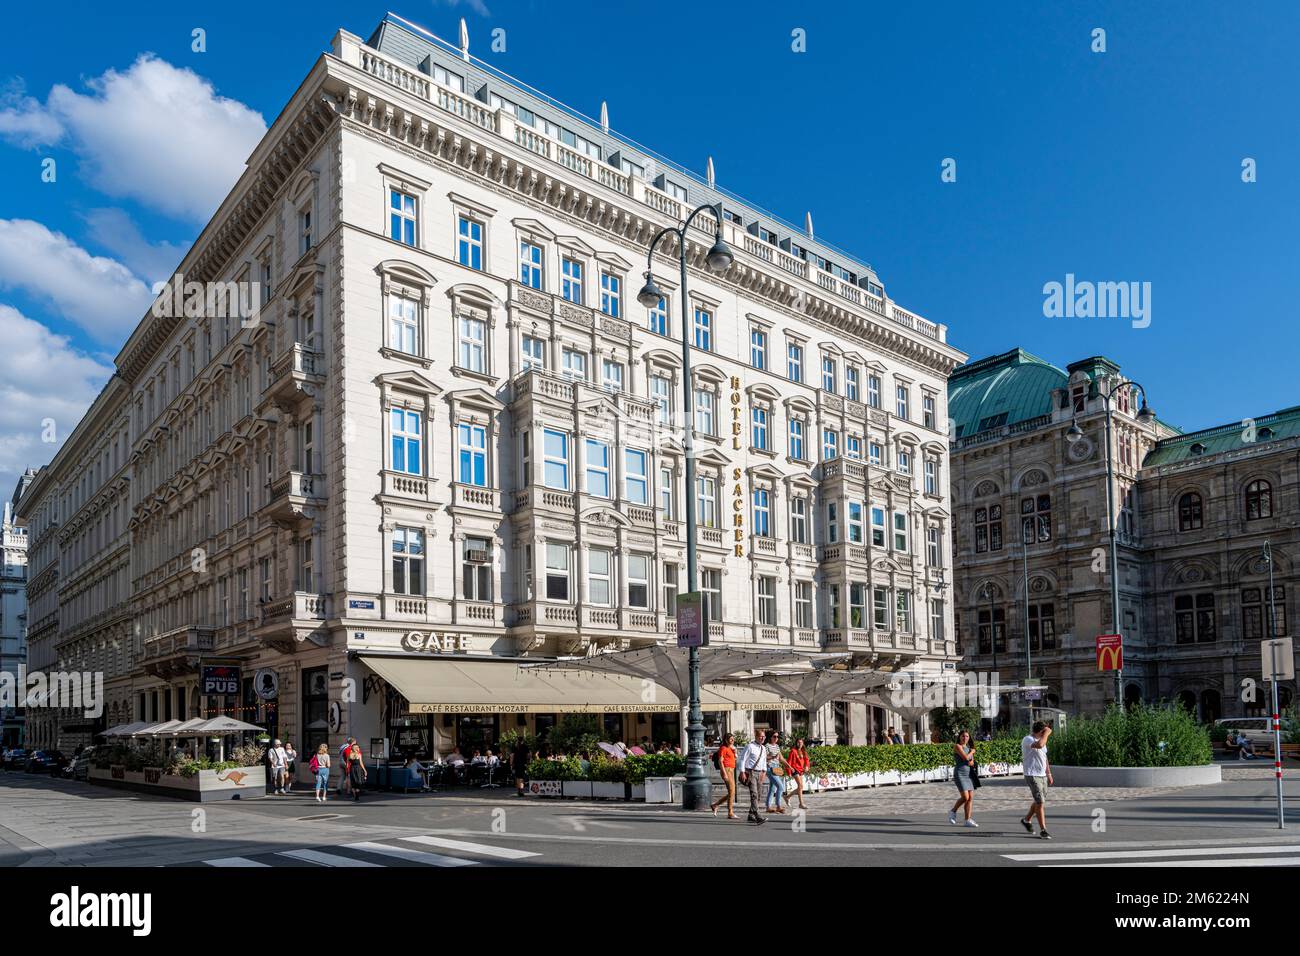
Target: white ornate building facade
pixel 13 609
pixel 452 437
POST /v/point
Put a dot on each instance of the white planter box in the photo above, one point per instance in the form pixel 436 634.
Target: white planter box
pixel 913 776
pixel 884 777
pixel 993 769
pixel 604 790
pixel 577 788
pixel 1017 770
pixel 664 789
pixel 546 788
pixel 867 779
pixel 638 792
pixel 938 775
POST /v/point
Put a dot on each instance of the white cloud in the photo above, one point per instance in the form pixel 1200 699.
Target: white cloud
pixel 43 378
pixel 117 232
pixel 97 293
pixel 154 133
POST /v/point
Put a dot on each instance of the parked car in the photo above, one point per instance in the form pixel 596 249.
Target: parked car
pixel 46 761
pixel 78 767
pixel 1258 730
pixel 15 759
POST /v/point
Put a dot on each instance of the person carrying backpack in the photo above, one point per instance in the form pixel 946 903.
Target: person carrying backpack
pixel 320 768
pixel 724 759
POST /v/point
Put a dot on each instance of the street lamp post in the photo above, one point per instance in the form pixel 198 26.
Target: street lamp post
pixel 1074 434
pixel 696 792
pixel 1277 717
pixel 987 593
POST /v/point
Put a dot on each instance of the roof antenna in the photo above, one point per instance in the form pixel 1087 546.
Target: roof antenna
pixel 709 174
pixel 807 224
pixel 604 117
pixel 464 40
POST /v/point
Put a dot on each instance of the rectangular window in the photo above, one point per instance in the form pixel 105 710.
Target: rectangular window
pixel 705 419
pixel 877 527
pixel 476 569
pixel 473 344
pixel 903 608
pixel 758 348
pixel 704 329
pixel 599 575
pixel 711 593
pixel 992 630
pixel 611 294
pixel 406 442
pixel 597 461
pixel 469 242
pixel 933 555
pixel 857 605
pixel 401 217
pixel 927 411
pixel 571 280
pixel 936 619
pixel 767 601
pixel 534 353
pixel 853 446
pixel 557 572
pixel 408 561
pixel 636 482
pixel 661 393
pixel 707 501
pixel 832 523
pixel 904 462
pixel 900 531
pixel 851 382
pixel 670 590
pixel 828 374
pixel 575 365
pixel 931 477
pixel 611 375
pixel 555 459
pixel 1042 627
pixel 873 391
pixel 833 605
pixel 638 581
pixel 794 362
pixel 799 519
pixel 762 512
pixel 473 454
pixel 796 439
pixel 880 608
pixel 855 522
pixel 666 497
pixel 759 428
pixel 403 324
pixel 803 607
pixel 901 403
pixel 657 317
pixel 830 444
pixel 304 230
pixel 531 264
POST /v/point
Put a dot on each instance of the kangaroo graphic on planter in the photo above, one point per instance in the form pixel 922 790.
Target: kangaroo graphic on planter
pixel 233 776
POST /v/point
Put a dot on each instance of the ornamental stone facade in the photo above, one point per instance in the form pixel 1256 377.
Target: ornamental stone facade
pixel 447 427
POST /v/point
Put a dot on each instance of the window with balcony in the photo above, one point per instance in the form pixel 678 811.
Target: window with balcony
pixel 832 522
pixel 597 463
pixel 1036 518
pixel 406 428
pixel 403 324
pixel 476 569
pixel 1194 621
pixel 853 447
pixel 711 593
pixel 794 362
pixel 636 480
pixel 767 601
pixel 557 572
pixel 828 374
pixel 611 294
pixel 571 280
pixel 762 512
pixel 876 454
pixel 833 606
pixel 657 317
pixel 599 577
pixel 855 522
pixel 803 604
pixel 533 353
pixel 408 561
pixel 900 531
pixel 555 459
pixel 706 421
pixel 904 461
pixel 469 242
pixel 703 329
pixel 472 441
pixel 758 348
pixel 903 611
pixel 830 444
pixel 799 519
pixel 532 264
pixel 758 428
pixel 402 217
pixel 611 375
pixel 706 507
pixel 988 529
pixel 638 581
pixel 574 365
pixel 473 344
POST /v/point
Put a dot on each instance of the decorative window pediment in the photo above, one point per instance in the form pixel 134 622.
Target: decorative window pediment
pixel 406 278
pixel 575 247
pixel 613 261
pixel 533 227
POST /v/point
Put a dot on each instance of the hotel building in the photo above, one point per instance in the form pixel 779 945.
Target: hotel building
pixel 450 439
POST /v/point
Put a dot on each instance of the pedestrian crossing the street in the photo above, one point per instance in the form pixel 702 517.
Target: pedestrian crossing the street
pixel 1217 856
pixel 422 850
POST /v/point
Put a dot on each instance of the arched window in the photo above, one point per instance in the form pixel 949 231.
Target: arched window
pixel 1259 500
pixel 1190 512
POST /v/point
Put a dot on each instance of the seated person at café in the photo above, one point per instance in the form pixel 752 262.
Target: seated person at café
pixel 1245 749
pixel 478 760
pixel 454 758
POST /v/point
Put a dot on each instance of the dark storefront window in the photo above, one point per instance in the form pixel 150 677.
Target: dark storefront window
pixel 315 710
pixel 544 724
pixel 476 731
pixel 666 727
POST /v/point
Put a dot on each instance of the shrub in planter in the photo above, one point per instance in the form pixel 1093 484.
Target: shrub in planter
pixel 570 768
pixel 1140 736
pixel 607 771
pixel 653 765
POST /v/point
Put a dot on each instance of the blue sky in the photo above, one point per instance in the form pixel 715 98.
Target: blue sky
pixel 1117 166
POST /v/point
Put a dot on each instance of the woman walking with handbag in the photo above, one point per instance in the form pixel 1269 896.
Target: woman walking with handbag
pixel 726 764
pixel 320 768
pixel 799 763
pixel 777 767
pixel 966 775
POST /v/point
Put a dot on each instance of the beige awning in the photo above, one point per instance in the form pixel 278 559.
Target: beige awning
pixel 459 686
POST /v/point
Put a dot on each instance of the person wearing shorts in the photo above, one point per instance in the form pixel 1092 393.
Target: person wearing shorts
pixel 1038 776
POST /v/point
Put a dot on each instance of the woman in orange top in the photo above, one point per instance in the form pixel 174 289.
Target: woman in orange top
pixel 799 764
pixel 725 761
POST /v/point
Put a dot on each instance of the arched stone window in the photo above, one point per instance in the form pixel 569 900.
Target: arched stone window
pixel 1191 515
pixel 1259 500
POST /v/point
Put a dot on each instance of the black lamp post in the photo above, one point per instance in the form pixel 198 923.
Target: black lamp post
pixel 696 792
pixel 1144 417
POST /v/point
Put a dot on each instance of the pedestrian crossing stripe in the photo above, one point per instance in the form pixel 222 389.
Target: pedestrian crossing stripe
pixel 483 849
pixel 234 861
pixel 413 856
pixel 1172 856
pixel 325 859
pixel 424 857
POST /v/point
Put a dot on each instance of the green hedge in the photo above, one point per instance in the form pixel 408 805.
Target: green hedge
pixel 906 757
pixel 1147 735
pixel 632 769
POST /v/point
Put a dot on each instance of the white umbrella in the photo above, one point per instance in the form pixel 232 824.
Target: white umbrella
pixel 126 730
pixel 164 729
pixel 611 750
pixel 190 728
pixel 814 689
pixel 222 726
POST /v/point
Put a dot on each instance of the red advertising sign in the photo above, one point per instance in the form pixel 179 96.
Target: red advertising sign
pixel 1110 652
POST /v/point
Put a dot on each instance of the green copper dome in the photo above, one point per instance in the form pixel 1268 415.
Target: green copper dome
pixel 1001 390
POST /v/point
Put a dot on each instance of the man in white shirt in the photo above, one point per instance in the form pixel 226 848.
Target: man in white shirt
pixel 279 766
pixel 1038 776
pixel 753 767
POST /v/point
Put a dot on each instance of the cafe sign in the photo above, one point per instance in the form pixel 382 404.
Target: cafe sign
pixel 431 642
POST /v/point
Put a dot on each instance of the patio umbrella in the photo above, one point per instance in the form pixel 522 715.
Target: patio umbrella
pixel 611 750
pixel 164 729
pixel 817 688
pixel 223 726
pixel 189 728
pixel 126 730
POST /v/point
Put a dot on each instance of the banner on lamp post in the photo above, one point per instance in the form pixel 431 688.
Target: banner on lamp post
pixel 692 628
pixel 1110 652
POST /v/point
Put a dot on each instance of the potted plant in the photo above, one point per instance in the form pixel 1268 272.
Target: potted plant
pixel 608 779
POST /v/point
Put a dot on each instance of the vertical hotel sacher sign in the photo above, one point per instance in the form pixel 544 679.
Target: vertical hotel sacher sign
pixel 737 493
